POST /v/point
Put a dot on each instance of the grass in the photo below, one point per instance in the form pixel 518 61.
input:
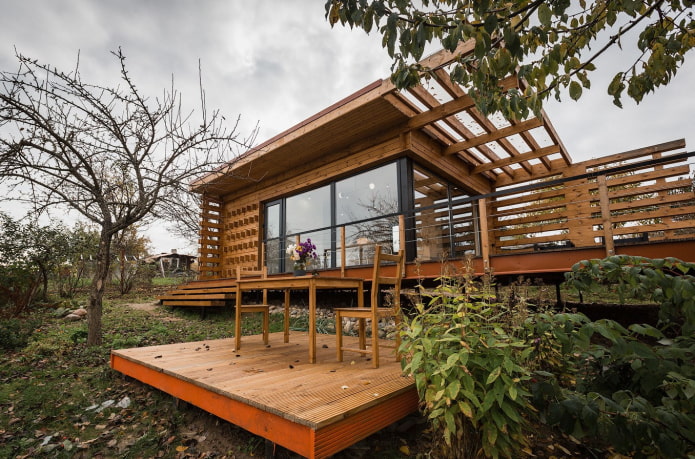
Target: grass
pixel 52 386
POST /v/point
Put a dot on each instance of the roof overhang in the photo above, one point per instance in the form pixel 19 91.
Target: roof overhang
pixel 501 151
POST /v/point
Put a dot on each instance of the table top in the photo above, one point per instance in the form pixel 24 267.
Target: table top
pixel 302 282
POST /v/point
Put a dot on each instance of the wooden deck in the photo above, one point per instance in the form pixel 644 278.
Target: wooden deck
pixel 314 410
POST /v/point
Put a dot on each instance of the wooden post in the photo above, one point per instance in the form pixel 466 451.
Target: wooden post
pixel 401 237
pixel 606 216
pixel 484 234
pixel 343 256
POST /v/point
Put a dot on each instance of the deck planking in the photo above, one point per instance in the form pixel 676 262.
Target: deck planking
pixel 273 391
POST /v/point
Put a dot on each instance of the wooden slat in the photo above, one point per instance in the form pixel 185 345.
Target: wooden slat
pixel 198 296
pixel 492 136
pixel 194 303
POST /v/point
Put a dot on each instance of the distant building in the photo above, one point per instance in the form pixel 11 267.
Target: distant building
pixel 172 263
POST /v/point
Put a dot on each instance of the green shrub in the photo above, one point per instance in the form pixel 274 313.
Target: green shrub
pixel 15 333
pixel 665 281
pixel 468 367
pixel 631 388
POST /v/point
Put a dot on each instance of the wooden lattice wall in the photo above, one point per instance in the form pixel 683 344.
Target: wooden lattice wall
pixel 210 242
pixel 241 236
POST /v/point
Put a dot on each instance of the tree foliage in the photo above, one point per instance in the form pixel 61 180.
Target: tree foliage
pixel 108 153
pixel 29 253
pixel 552 45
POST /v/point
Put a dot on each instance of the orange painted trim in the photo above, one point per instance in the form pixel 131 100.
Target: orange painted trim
pixel 311 443
pixel 293 436
pixel 350 430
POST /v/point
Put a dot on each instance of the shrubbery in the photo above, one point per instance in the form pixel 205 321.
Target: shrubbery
pixel 487 372
pixel 15 333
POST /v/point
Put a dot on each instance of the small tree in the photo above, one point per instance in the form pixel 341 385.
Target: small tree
pixel 81 249
pixel 552 46
pixel 108 153
pixel 28 254
pixel 130 249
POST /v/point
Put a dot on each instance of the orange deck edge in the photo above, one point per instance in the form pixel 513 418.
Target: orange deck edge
pixel 304 440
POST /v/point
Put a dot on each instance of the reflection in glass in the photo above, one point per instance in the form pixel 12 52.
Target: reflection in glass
pixel 308 210
pixel 367 195
pixel 360 240
pixel 272 257
pixel 442 230
pixel 322 241
pixel 272 221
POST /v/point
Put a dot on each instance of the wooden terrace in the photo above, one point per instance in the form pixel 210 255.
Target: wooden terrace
pixel 314 410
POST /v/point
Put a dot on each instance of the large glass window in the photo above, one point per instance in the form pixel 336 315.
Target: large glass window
pixel 443 229
pixel 367 206
pixel 367 195
pixel 308 210
pixel 357 202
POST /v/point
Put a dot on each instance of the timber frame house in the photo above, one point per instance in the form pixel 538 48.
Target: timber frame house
pixel 422 169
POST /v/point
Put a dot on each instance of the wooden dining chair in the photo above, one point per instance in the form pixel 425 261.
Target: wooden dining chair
pixel 374 312
pixel 263 308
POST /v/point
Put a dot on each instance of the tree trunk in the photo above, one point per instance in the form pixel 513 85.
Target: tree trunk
pixel 96 291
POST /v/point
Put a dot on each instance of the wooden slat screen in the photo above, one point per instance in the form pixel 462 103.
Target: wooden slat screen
pixel 653 203
pixel 210 238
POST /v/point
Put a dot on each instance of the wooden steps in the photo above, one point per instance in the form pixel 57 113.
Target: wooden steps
pixel 217 293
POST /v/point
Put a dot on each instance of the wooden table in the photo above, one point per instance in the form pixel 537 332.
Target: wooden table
pixel 310 283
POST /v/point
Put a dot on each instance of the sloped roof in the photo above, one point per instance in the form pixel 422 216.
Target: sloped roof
pixel 503 152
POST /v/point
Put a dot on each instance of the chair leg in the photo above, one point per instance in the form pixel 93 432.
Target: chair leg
pixel 362 333
pixel 266 326
pixel 339 336
pixel 375 342
pixel 397 320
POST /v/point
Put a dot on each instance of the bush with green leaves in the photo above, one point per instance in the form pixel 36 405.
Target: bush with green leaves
pixel 631 388
pixel 469 369
pixel 667 281
pixel 487 371
pixel 15 333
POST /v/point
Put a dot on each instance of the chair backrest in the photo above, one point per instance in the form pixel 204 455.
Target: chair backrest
pixel 382 259
pixel 242 273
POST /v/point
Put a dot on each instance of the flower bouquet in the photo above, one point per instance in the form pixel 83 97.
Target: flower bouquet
pixel 300 253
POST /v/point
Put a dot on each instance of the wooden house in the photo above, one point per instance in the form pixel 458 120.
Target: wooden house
pixel 424 170
pixel 420 170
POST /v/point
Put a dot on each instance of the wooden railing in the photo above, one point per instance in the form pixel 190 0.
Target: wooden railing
pixel 650 199
pixel 637 197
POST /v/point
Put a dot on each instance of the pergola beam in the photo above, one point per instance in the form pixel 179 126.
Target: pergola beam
pixel 535 154
pixel 493 136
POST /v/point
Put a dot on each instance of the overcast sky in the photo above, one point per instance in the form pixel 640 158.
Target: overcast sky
pixel 276 63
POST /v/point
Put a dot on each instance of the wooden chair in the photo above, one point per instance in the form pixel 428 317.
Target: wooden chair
pixel 263 308
pixel 373 312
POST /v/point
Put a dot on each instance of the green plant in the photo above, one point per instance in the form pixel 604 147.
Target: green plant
pixel 631 388
pixel 634 390
pixel 15 333
pixel 469 370
pixel 666 281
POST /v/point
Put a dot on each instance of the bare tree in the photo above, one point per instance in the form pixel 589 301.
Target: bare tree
pixel 109 153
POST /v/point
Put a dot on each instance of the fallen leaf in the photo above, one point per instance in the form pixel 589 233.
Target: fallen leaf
pixel 405 450
pixel 181 448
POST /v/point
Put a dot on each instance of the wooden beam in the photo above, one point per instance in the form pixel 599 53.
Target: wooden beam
pixel 517 159
pixel 484 234
pixel 496 135
pixel 606 216
pixel 453 107
pixel 619 157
